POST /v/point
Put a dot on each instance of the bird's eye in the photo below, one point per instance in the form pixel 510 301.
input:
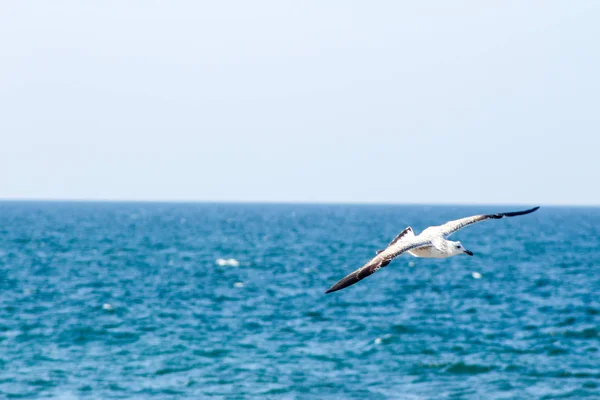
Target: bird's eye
pixel 458 246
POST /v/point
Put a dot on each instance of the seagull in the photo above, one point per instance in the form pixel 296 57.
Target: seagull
pixel 431 243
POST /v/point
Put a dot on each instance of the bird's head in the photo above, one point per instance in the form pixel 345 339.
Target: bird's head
pixel 458 248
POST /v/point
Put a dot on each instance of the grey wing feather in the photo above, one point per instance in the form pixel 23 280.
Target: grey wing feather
pixel 400 236
pixel 397 238
pixel 375 264
pixel 450 227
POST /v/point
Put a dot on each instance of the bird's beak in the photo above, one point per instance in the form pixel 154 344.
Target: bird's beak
pixel 469 252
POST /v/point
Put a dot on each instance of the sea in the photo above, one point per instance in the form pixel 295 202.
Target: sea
pixel 226 301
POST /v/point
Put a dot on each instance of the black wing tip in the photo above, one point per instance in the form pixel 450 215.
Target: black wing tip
pixel 513 213
pixel 343 283
pixel 333 289
pixel 351 279
pixel 528 211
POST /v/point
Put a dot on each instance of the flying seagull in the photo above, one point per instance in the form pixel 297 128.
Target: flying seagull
pixel 431 243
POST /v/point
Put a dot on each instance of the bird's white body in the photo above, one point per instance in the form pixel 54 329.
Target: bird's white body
pixel 439 248
pixel 429 252
pixel 431 244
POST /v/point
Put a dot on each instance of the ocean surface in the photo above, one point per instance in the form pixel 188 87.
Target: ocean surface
pixel 167 301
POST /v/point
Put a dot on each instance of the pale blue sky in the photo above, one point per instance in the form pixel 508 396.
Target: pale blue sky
pixel 336 101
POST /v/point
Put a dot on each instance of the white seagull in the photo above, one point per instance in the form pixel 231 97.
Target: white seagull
pixel 431 243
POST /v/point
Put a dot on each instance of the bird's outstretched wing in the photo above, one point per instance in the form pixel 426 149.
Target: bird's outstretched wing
pixel 379 261
pixel 452 226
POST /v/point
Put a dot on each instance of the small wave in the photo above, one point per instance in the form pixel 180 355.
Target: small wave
pixel 584 374
pixel 468 369
pixel 567 322
pixel 173 370
pixel 402 329
pixel 211 353
pixel 316 316
pixel 587 333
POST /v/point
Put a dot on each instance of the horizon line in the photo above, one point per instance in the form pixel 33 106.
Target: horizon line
pixel 285 202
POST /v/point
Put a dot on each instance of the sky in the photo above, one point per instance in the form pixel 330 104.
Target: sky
pixel 301 101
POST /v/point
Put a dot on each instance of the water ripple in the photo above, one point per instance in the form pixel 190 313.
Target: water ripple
pixel 196 300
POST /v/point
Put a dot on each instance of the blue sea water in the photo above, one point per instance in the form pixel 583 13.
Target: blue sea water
pixel 108 300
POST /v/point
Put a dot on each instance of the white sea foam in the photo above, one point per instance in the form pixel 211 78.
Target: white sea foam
pixel 231 262
pixel 476 275
pixel 380 340
pixel 238 284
